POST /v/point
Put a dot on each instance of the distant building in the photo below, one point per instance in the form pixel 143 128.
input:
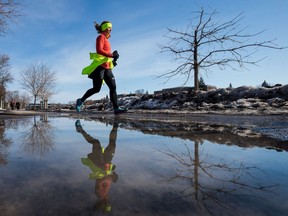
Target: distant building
pixel 43 105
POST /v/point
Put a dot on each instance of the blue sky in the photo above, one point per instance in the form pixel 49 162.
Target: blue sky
pixel 61 34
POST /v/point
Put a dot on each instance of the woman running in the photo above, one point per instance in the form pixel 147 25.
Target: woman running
pixel 101 68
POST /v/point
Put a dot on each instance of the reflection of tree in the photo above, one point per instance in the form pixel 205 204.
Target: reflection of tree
pixel 215 182
pixel 4 143
pixel 39 139
pixel 16 123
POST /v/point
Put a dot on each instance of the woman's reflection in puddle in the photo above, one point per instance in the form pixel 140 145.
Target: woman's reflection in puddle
pixel 100 163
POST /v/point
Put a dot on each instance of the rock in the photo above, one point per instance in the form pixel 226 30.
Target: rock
pixel 243 97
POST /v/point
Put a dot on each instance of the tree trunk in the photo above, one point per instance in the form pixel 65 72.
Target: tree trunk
pixel 34 102
pixel 196 81
pixel 195 63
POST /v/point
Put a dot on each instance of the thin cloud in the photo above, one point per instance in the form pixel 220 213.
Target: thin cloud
pixel 50 10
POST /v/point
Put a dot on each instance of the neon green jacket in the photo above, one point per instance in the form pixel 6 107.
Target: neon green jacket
pixel 97 172
pixel 97 60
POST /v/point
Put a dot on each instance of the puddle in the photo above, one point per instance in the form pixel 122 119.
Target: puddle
pixel 64 166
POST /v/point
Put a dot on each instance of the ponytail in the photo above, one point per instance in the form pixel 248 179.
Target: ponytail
pixel 97 27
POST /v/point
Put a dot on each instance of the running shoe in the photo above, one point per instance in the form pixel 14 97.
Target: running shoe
pixel 120 110
pixel 78 126
pixel 78 104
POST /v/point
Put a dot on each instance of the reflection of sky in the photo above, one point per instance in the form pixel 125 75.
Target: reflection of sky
pixel 58 182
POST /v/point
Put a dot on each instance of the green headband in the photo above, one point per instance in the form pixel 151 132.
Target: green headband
pixel 105 26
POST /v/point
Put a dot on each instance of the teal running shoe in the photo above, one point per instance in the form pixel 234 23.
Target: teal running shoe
pixel 78 126
pixel 79 104
pixel 119 110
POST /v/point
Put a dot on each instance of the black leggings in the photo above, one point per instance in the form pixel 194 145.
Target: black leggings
pixel 97 77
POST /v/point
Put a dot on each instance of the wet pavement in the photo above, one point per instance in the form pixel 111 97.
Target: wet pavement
pixel 272 124
pixel 91 165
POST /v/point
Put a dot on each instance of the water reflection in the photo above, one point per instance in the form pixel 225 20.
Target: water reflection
pixel 100 163
pixel 228 135
pixel 38 139
pixel 216 182
pixel 37 136
pixel 4 143
pixel 163 168
pixel 223 183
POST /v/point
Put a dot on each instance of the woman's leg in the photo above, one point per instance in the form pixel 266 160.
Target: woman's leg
pixel 111 83
pixel 97 78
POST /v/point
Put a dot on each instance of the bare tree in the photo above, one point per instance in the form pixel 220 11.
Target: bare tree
pixel 12 95
pixel 206 44
pixel 39 80
pixel 5 75
pixel 24 99
pixel 9 11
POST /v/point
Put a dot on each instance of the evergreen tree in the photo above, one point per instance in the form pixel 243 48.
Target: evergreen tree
pixel 202 85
